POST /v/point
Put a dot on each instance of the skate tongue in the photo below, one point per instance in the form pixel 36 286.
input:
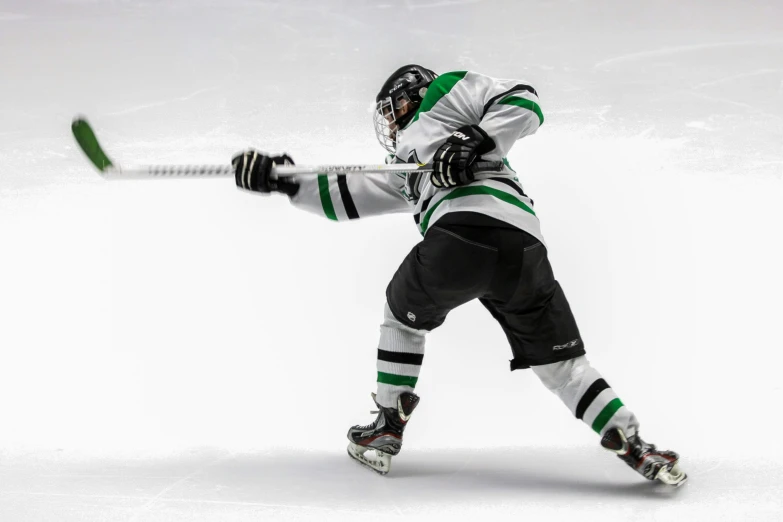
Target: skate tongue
pixel 406 403
pixel 614 440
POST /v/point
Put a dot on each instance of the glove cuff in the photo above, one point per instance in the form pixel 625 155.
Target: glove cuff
pixel 287 187
pixel 485 143
pixel 476 129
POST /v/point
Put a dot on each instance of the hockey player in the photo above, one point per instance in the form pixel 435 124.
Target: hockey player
pixel 481 240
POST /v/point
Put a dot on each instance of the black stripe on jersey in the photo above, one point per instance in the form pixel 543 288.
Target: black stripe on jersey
pixel 511 183
pixel 587 399
pixel 350 208
pixel 516 88
pixel 417 217
pixel 426 204
pixel 401 358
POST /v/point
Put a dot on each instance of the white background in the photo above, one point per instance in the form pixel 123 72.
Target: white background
pixel 179 350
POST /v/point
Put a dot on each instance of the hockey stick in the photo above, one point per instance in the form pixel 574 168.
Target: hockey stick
pixel 88 142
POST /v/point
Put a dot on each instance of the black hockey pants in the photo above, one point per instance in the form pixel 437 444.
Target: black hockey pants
pixel 467 256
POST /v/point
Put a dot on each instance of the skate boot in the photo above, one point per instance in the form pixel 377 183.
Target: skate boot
pixel 649 462
pixel 384 436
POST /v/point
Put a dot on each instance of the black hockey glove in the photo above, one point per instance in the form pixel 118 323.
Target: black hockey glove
pixel 252 171
pixel 454 161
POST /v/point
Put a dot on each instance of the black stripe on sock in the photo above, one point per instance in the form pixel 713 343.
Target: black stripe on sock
pixel 350 208
pixel 511 183
pixel 587 399
pixel 401 358
pixel 517 88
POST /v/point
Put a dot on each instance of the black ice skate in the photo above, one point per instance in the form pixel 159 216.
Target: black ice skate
pixel 649 462
pixel 384 436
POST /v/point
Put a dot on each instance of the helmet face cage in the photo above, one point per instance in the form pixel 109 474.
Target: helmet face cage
pixel 407 84
pixel 386 123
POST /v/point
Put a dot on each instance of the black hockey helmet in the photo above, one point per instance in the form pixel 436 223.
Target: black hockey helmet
pixel 408 83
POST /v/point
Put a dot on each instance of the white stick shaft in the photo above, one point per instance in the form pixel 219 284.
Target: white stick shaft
pixel 211 171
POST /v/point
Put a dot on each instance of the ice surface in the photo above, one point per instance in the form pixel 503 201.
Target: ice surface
pixel 493 484
pixel 175 350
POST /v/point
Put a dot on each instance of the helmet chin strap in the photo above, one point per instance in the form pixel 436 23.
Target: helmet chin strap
pixel 406 118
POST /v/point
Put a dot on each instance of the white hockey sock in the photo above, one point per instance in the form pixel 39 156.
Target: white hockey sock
pixel 400 354
pixel 587 395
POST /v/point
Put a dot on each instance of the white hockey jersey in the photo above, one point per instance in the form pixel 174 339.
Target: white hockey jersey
pixel 505 109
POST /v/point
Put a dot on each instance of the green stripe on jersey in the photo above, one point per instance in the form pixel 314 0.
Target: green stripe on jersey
pixel 525 103
pixel 397 380
pixel 326 197
pixel 607 413
pixel 439 88
pixel 474 191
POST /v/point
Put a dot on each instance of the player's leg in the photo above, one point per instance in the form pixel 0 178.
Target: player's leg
pixel 587 395
pixel 400 355
pixel 543 334
pixel 442 272
pixel 590 399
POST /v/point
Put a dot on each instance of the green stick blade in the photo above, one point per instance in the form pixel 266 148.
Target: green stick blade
pixel 86 139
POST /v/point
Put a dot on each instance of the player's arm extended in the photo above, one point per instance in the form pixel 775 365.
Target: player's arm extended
pixel 342 197
pixel 339 197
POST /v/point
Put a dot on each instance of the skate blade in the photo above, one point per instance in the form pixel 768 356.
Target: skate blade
pixel 673 476
pixel 381 464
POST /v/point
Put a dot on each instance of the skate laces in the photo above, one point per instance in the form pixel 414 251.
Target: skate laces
pixel 372 424
pixel 639 447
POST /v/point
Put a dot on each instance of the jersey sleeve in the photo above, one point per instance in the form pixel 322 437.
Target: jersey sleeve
pixel 511 111
pixel 342 197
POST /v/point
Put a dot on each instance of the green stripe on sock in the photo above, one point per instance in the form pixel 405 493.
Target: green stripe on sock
pixel 397 380
pixel 473 191
pixel 326 197
pixel 606 414
pixel 524 103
